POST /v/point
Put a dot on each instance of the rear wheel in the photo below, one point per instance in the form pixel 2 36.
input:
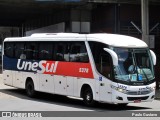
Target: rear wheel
pixel 30 88
pixel 88 97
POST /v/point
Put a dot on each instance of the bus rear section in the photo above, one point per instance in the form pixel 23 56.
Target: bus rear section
pixel 53 66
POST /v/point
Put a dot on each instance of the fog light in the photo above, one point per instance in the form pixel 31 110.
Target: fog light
pixel 152 97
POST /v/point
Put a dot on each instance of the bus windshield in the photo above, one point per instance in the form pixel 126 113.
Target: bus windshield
pixel 134 65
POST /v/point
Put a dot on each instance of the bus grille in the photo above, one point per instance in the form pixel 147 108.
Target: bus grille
pixel 137 98
pixel 138 92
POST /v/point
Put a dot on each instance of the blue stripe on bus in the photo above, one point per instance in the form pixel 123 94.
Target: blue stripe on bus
pixel 11 64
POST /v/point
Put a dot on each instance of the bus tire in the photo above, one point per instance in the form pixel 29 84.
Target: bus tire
pixel 88 97
pixel 30 88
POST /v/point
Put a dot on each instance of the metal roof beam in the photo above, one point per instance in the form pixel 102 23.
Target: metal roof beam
pixel 124 1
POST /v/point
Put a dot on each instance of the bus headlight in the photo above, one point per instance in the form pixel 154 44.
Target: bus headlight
pixel 119 89
pixel 153 88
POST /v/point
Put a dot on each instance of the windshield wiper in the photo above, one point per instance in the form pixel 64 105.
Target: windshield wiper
pixel 144 73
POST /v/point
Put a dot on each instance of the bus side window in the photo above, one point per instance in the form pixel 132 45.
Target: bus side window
pixel 45 51
pixel 102 59
pixel 19 50
pixel 31 50
pixel 78 52
pixel 61 51
pixel 105 65
pixel 9 49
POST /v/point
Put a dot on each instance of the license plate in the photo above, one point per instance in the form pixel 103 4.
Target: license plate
pixel 137 101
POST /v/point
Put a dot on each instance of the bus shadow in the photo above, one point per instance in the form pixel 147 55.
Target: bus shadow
pixel 66 101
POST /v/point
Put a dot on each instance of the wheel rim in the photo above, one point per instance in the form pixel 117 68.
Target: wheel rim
pixel 88 97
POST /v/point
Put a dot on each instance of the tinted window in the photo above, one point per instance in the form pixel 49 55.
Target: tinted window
pixel 78 52
pixel 102 58
pixel 31 50
pixel 46 51
pixel 104 66
pixel 19 51
pixel 9 49
pixel 62 51
pixel 97 49
pixel 58 51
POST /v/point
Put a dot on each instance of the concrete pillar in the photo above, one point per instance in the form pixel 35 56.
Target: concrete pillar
pixel 145 20
pixel 117 19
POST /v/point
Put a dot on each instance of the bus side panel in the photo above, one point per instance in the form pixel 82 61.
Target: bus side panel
pixel 18 79
pixel 75 89
pixel 46 83
pixel 71 86
pixel 8 77
pixel 60 84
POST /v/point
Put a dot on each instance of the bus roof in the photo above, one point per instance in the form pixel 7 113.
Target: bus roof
pixel 119 40
pixel 110 39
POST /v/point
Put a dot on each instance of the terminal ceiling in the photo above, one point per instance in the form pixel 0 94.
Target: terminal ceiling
pixel 14 12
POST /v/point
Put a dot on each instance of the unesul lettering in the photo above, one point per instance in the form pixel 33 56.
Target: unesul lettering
pixel 39 67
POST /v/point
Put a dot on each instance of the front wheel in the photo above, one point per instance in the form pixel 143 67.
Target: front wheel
pixel 30 88
pixel 88 97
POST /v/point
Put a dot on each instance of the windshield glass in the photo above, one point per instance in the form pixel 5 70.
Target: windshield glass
pixel 134 65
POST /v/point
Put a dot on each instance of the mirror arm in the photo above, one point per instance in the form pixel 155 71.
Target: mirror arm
pixel 114 56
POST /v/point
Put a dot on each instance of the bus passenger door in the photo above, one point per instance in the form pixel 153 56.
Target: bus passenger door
pixel 104 80
pixel 46 83
pixel 105 90
pixel 60 83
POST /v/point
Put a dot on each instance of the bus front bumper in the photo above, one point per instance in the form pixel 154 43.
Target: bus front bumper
pixel 118 97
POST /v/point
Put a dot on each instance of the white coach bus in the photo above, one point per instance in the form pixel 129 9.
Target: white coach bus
pixel 106 68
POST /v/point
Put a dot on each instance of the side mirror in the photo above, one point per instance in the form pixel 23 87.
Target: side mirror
pixel 114 56
pixel 153 57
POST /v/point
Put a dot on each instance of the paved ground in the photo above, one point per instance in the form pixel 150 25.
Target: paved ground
pixel 157 96
pixel 47 102
pixel 12 99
